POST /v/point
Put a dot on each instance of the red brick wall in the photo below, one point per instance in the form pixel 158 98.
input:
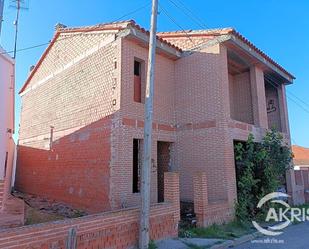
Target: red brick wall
pixel 305 173
pixel 113 230
pixel 274 119
pixel 202 111
pixel 129 122
pixel 1 193
pixel 258 97
pixel 209 213
pixel 240 97
pixel 74 171
pixel 298 177
pixel 302 180
pixel 79 102
pixel 164 160
pixel 191 109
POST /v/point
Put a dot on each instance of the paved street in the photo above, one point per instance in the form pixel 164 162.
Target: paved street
pixel 294 237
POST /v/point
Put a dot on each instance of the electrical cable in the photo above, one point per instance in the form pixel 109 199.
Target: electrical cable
pixel 89 30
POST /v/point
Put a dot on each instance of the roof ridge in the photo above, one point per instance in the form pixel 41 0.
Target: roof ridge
pixel 98 25
pixel 116 25
pixel 195 31
pixel 224 31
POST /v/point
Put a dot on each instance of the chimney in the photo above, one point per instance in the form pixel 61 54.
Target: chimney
pixel 60 26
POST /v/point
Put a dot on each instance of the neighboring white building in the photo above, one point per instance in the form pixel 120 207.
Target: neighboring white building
pixel 7 145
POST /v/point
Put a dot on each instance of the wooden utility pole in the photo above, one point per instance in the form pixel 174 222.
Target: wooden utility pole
pixel 1 14
pixel 146 167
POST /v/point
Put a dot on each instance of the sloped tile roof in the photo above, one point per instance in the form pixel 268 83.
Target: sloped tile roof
pixel 301 155
pixel 172 39
pixel 112 26
pixel 213 34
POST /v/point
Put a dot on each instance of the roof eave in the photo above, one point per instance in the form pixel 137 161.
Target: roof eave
pixel 129 29
pixel 162 46
pixel 262 58
pixel 39 62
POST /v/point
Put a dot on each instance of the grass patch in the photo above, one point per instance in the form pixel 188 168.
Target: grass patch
pixel 231 230
pixel 303 206
pixel 152 245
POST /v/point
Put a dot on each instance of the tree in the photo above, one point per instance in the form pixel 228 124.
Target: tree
pixel 260 170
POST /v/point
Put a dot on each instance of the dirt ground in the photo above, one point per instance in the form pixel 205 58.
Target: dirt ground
pixel 34 216
pixel 40 209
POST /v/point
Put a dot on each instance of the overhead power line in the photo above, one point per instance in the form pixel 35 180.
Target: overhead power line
pixel 94 29
pixel 1 14
pixel 189 13
pixel 276 85
pixel 200 22
pixel 175 22
pixel 299 99
pixel 290 92
pixel 192 16
pixel 195 19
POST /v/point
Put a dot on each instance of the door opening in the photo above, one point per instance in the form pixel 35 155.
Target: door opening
pixel 163 160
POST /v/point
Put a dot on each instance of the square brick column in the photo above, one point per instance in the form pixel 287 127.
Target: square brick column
pixel 209 213
pixel 1 193
pixel 171 192
pixel 295 191
pixel 283 110
pixel 200 197
pixel 258 97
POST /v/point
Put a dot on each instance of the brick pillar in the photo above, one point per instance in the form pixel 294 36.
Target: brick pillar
pixel 1 193
pixel 295 191
pixel 200 197
pixel 283 110
pixel 171 192
pixel 258 97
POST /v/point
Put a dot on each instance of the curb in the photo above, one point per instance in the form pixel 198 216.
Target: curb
pixel 237 242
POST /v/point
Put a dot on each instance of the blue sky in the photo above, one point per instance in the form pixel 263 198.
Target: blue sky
pixel 279 28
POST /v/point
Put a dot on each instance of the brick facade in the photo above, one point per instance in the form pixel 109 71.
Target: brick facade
pixel 65 134
pixel 209 213
pixel 240 98
pixel 116 229
pixel 1 193
pixel 202 104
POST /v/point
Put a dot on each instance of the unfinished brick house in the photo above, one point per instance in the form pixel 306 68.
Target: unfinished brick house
pixel 81 129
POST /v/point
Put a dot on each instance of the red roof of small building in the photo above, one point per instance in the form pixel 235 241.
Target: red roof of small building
pixel 301 155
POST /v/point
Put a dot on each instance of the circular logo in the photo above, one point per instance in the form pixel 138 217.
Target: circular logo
pixel 275 197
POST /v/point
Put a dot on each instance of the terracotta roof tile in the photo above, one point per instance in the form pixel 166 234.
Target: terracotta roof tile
pixel 172 39
pixel 120 25
pixel 301 155
pixel 171 36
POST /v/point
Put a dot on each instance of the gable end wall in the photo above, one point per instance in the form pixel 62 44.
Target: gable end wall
pixel 78 104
